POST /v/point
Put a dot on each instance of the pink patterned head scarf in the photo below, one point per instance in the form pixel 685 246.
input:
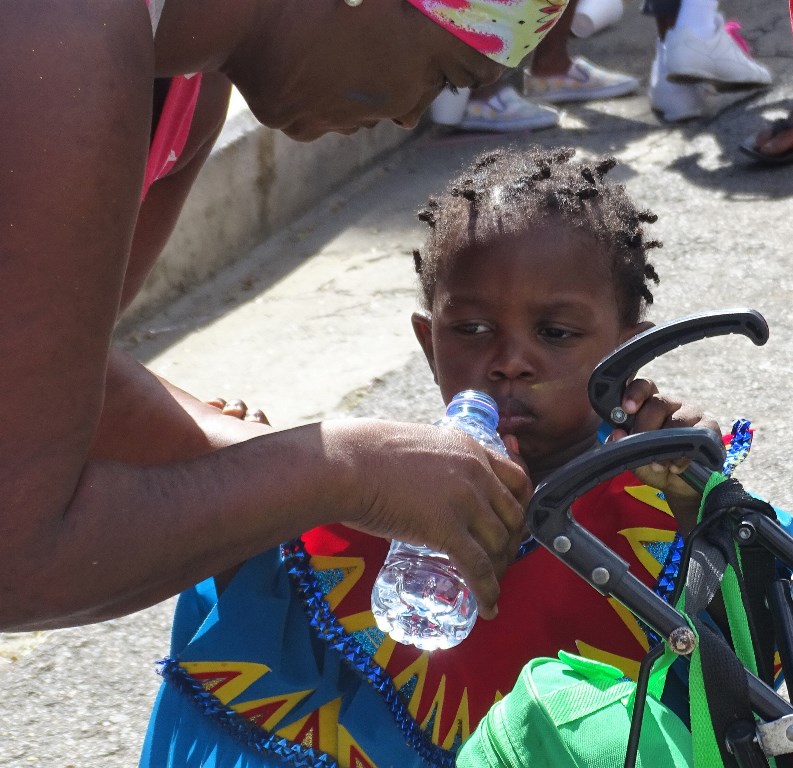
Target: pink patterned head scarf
pixel 502 30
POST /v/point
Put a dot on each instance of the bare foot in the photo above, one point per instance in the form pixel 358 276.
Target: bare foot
pixel 777 139
pixel 773 144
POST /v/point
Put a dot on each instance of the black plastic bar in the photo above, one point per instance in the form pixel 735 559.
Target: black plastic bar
pixel 779 601
pixel 555 528
pixel 742 742
pixel 608 381
pixel 583 473
pixel 767 532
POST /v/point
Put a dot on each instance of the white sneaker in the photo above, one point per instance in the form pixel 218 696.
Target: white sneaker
pixel 584 81
pixel 507 111
pixel 674 102
pixel 718 59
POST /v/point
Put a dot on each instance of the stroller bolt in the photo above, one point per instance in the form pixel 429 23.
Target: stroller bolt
pixel 789 733
pixel 682 641
pixel 562 544
pixel 745 532
pixel 600 576
pixel 618 416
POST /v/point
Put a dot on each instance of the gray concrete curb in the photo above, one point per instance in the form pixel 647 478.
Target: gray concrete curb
pixel 255 182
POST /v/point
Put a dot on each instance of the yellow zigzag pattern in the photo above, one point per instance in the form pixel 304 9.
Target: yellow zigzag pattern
pixel 637 538
pixel 321 729
pixel 225 679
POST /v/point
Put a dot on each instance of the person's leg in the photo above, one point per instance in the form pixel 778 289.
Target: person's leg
pixel 665 13
pixel 664 24
pixel 699 16
pixel 553 76
pixel 551 57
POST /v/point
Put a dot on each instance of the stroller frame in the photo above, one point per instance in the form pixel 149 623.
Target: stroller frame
pixel 553 525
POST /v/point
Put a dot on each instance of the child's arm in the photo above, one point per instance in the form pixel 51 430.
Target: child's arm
pixel 652 411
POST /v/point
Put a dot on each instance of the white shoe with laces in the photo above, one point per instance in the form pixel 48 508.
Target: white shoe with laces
pixel 718 59
pixel 507 111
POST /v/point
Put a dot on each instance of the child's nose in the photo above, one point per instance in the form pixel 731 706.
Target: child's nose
pixel 514 360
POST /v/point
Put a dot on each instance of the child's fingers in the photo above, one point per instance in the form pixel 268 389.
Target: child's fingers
pixel 674 466
pixel 637 392
pixel 238 409
pixel 258 416
pixel 235 408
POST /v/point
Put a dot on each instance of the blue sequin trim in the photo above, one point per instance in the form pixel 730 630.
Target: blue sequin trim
pixel 658 549
pixel 328 628
pixel 258 739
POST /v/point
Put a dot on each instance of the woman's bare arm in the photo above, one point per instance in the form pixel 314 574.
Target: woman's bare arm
pixel 100 514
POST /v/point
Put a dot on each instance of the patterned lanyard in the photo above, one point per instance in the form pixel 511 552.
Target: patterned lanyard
pixel 737 451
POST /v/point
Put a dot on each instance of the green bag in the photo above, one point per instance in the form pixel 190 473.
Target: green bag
pixel 573 712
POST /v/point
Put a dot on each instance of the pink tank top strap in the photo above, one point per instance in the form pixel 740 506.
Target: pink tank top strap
pixel 174 124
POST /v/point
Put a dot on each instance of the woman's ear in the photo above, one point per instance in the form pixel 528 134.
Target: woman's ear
pixel 635 330
pixel 422 327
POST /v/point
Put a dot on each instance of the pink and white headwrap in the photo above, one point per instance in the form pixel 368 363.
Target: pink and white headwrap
pixel 502 30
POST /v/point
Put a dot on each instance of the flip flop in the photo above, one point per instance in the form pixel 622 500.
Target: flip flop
pixel 749 145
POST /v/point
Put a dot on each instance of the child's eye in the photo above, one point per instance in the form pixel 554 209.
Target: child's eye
pixel 557 334
pixel 472 329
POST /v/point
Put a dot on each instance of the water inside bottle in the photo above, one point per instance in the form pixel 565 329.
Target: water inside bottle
pixel 424 602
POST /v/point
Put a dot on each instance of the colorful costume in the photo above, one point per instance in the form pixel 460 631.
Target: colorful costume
pixel 288 668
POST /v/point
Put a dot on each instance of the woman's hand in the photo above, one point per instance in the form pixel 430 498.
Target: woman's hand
pixel 653 411
pixel 436 486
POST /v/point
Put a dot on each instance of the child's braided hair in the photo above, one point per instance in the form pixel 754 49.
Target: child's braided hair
pixel 505 192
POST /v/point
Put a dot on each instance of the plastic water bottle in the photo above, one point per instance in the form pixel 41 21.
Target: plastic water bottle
pixel 419 598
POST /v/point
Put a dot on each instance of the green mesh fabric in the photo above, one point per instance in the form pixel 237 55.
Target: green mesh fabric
pixel 573 713
pixel 706 749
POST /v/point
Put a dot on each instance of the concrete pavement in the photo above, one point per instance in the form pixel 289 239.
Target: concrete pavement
pixel 314 322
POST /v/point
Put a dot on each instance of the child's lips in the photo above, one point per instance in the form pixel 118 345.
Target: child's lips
pixel 514 416
pixel 512 425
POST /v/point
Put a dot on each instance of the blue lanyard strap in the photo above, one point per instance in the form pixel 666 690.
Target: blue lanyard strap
pixel 737 451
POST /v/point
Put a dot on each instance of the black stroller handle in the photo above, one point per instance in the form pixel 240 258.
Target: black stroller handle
pixel 608 380
pixel 554 526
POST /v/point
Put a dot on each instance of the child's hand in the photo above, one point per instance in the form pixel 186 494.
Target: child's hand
pixel 653 411
pixel 238 410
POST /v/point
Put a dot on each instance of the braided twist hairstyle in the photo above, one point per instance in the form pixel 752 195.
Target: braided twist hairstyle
pixel 506 192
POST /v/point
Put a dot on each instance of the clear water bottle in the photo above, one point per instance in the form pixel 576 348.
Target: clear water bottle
pixel 419 598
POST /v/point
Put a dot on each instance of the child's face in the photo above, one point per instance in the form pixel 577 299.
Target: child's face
pixel 527 322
